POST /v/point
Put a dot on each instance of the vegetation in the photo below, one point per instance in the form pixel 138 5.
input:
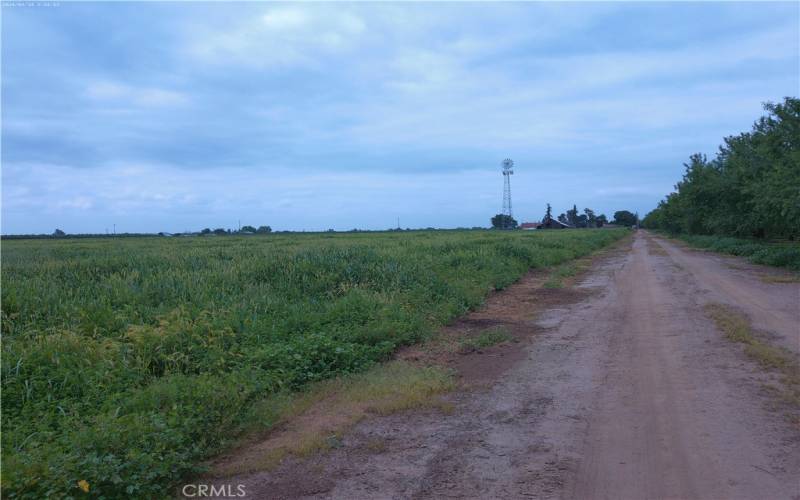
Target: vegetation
pixel 486 338
pixel 736 327
pixel 330 407
pixel 750 190
pixel 780 254
pixel 559 274
pixel 503 221
pixel 127 361
pixel 625 218
pixel 574 219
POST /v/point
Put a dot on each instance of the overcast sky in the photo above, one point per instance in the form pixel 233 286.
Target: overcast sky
pixel 176 116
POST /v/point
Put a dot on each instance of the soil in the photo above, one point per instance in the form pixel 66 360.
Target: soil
pixel 618 386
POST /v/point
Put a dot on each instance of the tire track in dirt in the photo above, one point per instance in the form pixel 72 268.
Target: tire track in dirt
pixel 680 414
pixel 772 307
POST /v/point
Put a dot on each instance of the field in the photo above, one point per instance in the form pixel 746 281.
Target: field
pixel 127 361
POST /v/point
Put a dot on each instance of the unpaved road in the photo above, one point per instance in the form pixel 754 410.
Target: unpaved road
pixel 629 393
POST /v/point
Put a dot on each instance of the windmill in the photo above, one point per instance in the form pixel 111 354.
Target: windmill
pixel 508 171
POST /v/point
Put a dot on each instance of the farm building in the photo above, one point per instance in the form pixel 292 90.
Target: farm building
pixel 553 224
pixel 529 225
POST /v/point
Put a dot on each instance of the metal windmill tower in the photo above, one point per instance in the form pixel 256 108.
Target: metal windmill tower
pixel 508 171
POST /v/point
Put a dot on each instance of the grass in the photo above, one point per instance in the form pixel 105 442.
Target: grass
pixel 785 278
pixel 737 328
pixel 128 362
pixel 778 254
pixel 487 338
pixel 562 272
pixel 315 418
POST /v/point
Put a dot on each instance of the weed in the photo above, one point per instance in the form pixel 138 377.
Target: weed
pixel 316 418
pixel 486 338
pixel 557 277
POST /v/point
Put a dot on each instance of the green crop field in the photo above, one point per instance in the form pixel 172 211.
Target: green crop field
pixel 125 362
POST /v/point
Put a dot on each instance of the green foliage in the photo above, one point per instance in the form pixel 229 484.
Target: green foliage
pixel 750 190
pixel 784 254
pixel 486 338
pixel 126 362
pixel 503 221
pixel 625 218
pixel 548 214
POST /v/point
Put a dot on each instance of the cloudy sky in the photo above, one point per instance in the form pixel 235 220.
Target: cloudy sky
pixel 175 116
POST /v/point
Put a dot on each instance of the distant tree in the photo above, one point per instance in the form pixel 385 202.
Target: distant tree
pixel 548 214
pixel 264 229
pixel 591 220
pixel 205 231
pixel 582 221
pixel 59 233
pixel 602 220
pixel 503 221
pixel 220 231
pixel 248 229
pixel 625 218
pixel 563 218
pixel 572 216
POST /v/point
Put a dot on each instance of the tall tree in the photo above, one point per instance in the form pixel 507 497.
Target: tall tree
pixel 591 220
pixel 548 214
pixel 572 216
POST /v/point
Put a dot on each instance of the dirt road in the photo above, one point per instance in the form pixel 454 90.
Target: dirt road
pixel 630 393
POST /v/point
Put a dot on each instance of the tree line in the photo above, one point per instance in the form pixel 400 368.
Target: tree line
pixel 244 230
pixel 751 189
pixel 572 218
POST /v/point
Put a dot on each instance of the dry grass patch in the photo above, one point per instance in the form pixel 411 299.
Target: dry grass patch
pixel 737 328
pixel 653 248
pixel 780 278
pixel 315 420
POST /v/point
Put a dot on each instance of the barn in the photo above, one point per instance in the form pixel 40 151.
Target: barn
pixel 553 224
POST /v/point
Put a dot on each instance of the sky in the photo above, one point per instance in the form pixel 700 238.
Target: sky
pixel 155 116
